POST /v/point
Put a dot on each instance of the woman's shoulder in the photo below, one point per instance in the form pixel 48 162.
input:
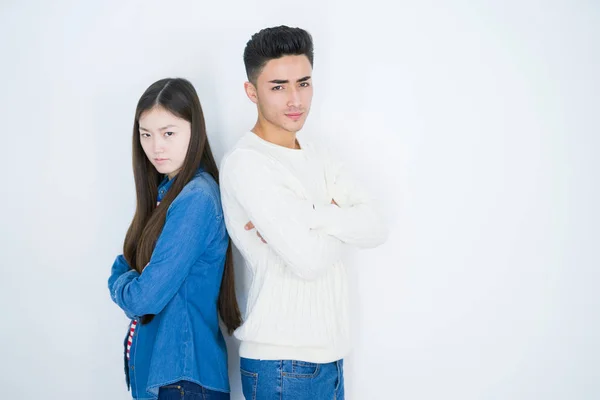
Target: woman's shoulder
pixel 202 181
pixel 202 189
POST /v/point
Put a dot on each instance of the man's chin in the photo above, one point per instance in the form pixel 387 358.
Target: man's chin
pixel 293 128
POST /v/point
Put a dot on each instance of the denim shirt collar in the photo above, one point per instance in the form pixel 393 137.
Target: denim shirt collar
pixel 164 186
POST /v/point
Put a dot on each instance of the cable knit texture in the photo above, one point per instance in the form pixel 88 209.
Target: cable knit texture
pixel 298 298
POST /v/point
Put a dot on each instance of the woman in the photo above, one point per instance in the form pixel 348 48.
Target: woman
pixel 176 269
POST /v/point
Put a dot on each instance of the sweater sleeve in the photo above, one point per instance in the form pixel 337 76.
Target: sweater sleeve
pixel 284 219
pixel 356 220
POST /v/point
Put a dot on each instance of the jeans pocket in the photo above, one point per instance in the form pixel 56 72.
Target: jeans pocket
pixel 171 392
pixel 249 384
pixel 303 369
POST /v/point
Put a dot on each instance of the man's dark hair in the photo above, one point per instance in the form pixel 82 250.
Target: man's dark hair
pixel 272 43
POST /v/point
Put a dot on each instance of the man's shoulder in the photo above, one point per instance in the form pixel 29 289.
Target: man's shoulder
pixel 245 151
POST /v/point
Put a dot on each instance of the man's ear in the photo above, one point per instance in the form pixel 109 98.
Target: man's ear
pixel 251 92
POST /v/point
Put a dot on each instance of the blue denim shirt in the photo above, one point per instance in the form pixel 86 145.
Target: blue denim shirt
pixel 180 286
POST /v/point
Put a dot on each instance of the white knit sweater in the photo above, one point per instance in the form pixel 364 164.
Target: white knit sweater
pixel 298 299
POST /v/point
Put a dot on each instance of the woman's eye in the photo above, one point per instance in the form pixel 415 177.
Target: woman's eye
pixel 169 134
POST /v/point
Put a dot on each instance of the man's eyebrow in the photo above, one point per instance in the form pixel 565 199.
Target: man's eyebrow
pixel 282 81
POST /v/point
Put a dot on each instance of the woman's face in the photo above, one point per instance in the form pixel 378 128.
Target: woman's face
pixel 165 139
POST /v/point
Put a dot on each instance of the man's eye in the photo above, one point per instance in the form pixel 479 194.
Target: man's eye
pixel 277 88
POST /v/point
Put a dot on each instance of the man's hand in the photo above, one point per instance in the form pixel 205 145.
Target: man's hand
pixel 249 226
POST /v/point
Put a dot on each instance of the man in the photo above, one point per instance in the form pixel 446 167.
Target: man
pixel 290 210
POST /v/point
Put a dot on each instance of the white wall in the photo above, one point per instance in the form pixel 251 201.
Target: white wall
pixel 476 124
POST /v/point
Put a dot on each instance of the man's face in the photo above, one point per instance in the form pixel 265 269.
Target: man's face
pixel 283 92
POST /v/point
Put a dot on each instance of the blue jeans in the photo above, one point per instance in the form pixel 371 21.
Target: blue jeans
pixel 184 390
pixel 292 380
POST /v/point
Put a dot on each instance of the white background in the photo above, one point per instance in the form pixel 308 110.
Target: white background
pixel 475 123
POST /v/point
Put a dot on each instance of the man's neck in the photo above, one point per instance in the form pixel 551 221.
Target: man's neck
pixel 276 136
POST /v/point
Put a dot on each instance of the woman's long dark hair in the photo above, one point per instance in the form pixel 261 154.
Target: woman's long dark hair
pixel 179 97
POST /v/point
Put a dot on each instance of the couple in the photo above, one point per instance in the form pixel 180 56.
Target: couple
pixel 287 207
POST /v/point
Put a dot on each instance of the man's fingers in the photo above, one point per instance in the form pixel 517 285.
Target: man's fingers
pixel 260 236
pixel 249 226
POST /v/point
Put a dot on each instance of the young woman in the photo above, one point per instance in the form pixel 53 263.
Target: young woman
pixel 175 275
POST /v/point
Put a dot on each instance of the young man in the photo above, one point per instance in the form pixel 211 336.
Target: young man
pixel 290 210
